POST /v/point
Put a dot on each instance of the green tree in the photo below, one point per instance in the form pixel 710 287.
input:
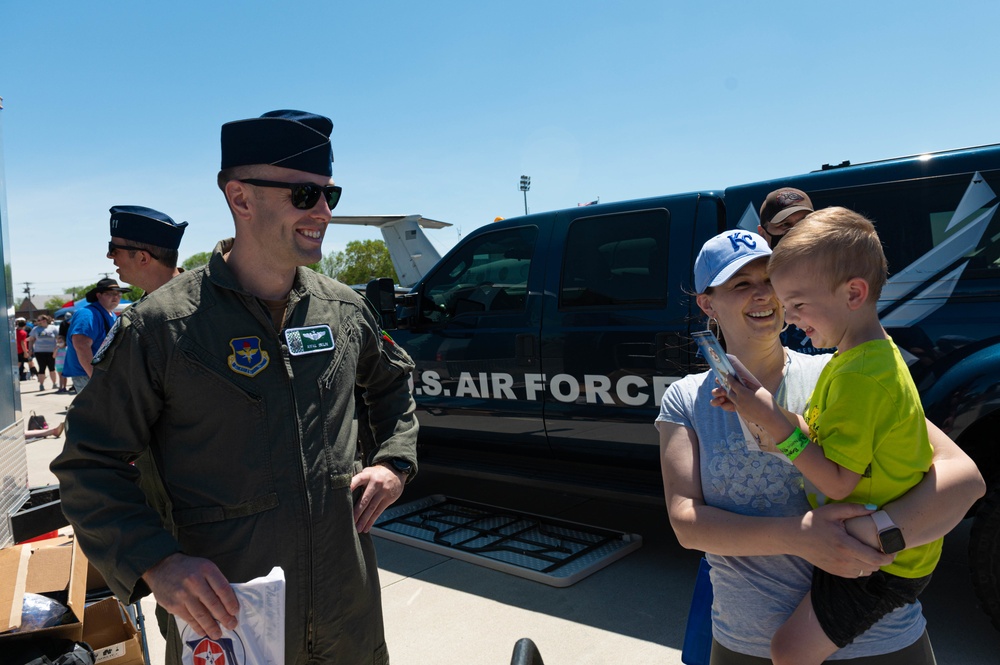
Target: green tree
pixel 54 303
pixel 196 260
pixel 360 262
pixel 133 293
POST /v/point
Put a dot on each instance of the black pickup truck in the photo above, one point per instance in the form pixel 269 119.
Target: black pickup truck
pixel 543 343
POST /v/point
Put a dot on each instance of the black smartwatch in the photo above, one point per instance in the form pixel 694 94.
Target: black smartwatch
pixel 890 536
pixel 399 464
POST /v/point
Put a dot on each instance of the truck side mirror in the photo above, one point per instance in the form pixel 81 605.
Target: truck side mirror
pixel 382 294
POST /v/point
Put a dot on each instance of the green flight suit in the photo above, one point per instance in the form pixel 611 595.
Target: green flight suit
pixel 256 448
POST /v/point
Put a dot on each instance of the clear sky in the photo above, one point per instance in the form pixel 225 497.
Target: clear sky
pixel 440 107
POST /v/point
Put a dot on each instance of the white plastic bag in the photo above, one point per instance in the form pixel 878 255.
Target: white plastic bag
pixel 259 638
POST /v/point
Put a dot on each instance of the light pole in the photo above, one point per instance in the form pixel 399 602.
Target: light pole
pixel 525 186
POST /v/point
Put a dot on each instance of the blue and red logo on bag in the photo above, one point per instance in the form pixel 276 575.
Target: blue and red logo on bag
pixel 225 651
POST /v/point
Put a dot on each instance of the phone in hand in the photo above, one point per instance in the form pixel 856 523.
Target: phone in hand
pixel 716 356
pixel 756 437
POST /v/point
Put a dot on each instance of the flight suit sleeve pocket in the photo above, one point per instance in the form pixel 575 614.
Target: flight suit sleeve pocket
pixel 396 356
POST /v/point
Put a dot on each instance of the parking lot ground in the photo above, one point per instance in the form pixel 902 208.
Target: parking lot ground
pixel 633 611
pixel 447 612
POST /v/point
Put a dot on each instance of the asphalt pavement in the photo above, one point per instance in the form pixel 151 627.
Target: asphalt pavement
pixel 449 612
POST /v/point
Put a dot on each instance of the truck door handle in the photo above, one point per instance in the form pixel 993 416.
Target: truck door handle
pixel 526 349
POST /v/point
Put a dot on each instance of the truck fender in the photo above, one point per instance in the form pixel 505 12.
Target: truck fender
pixel 964 394
pixel 965 403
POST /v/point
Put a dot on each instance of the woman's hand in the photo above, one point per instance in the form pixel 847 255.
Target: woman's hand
pixel 823 540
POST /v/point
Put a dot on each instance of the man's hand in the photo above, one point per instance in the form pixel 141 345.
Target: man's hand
pixel 195 590
pixel 827 543
pixel 382 487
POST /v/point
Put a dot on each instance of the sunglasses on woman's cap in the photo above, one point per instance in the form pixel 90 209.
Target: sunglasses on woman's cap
pixel 304 194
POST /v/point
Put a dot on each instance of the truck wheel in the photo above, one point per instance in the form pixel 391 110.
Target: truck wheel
pixel 984 555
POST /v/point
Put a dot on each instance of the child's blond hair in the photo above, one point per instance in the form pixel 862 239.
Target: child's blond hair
pixel 839 244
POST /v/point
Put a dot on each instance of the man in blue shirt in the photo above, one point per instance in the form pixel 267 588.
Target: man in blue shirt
pixel 88 328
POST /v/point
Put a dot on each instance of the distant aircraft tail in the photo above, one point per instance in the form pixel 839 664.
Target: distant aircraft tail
pixel 412 253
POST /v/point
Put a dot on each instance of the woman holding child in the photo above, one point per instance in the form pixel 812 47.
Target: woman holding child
pixel 748 509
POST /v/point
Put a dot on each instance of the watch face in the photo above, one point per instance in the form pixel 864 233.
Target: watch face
pixel 401 465
pixel 892 540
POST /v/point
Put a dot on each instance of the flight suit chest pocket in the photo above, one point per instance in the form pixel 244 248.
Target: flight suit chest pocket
pixel 214 436
pixel 337 392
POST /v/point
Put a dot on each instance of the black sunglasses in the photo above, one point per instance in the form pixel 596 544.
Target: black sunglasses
pixel 112 247
pixel 304 194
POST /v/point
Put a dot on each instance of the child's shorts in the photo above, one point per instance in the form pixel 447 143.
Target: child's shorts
pixel 847 607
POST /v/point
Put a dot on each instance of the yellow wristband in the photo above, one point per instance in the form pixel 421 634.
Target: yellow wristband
pixel 794 444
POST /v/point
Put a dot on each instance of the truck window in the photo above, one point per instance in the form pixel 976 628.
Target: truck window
pixel 616 260
pixel 489 274
pixel 914 217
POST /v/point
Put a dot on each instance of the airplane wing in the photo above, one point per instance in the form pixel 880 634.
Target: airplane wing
pixel 380 221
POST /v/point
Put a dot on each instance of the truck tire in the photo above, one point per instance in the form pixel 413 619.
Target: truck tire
pixel 984 555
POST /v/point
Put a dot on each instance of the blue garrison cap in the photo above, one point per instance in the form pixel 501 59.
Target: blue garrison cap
pixel 146 225
pixel 291 139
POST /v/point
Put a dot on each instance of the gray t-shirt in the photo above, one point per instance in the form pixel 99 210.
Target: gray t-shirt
pixel 755 594
pixel 45 338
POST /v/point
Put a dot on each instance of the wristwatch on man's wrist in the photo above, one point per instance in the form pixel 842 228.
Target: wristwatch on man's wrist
pixel 399 465
pixel 890 536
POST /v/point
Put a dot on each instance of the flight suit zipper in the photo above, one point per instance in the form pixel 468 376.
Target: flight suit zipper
pixel 286 362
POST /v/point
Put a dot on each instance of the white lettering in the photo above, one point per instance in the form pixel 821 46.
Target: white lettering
pixel 574 388
pixel 466 386
pixel 533 383
pixel 432 383
pixel 596 386
pixel 501 386
pixel 625 396
pixel 628 390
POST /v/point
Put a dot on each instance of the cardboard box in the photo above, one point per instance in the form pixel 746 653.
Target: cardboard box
pixel 111 634
pixel 55 567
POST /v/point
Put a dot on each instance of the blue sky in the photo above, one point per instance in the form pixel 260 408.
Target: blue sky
pixel 440 107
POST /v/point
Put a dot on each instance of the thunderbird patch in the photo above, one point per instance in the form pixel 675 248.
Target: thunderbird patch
pixel 312 339
pixel 248 358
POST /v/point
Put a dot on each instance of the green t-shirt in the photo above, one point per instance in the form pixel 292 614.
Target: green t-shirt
pixel 865 413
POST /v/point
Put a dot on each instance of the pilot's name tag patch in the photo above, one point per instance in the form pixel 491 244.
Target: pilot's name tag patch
pixel 312 339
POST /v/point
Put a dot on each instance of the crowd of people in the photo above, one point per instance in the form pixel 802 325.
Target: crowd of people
pixel 40 346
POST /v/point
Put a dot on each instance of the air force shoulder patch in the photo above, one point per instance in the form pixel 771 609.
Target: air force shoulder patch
pixel 248 358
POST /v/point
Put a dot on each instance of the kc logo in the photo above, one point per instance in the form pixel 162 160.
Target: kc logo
pixel 739 237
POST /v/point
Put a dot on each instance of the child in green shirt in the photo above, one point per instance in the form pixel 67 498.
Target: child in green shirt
pixel 863 436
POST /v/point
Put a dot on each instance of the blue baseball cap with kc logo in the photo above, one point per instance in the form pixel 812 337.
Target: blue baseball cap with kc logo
pixel 722 256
